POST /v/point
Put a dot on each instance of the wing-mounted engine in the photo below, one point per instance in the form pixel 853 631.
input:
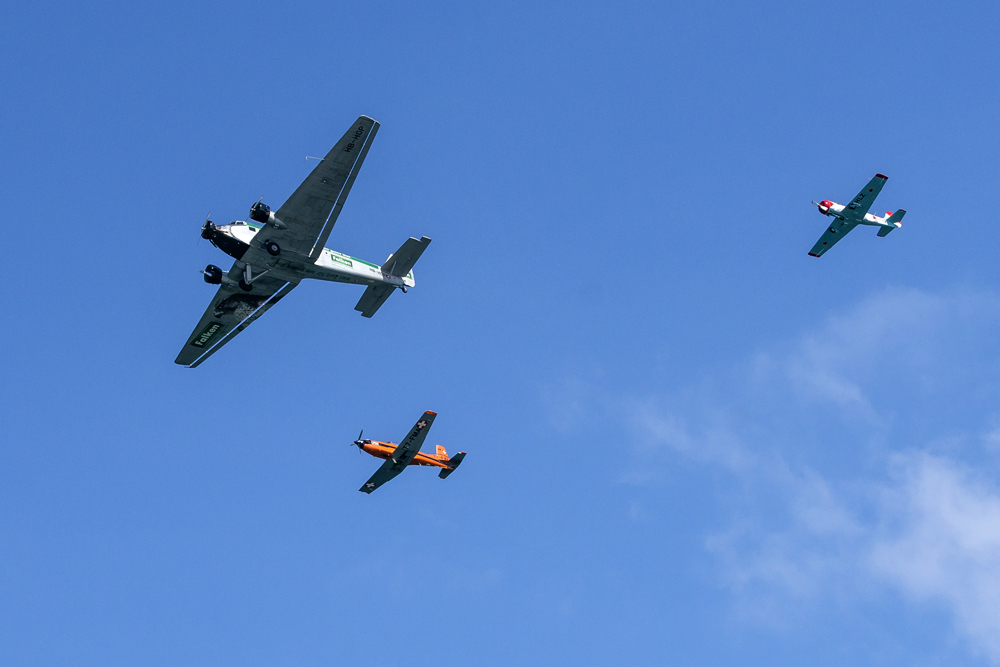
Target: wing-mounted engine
pixel 261 212
pixel 214 275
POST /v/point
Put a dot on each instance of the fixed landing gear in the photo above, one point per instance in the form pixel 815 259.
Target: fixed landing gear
pixel 272 248
pixel 246 281
pixel 404 289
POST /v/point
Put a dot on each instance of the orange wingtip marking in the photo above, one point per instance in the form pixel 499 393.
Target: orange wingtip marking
pixel 428 412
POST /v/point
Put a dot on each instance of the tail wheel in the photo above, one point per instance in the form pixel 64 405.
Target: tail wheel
pixel 245 286
pixel 272 248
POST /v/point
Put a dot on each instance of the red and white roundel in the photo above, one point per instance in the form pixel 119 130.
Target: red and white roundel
pixel 421 424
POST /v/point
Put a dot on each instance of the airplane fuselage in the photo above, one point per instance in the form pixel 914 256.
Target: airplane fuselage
pixel 835 210
pixel 235 238
pixel 385 450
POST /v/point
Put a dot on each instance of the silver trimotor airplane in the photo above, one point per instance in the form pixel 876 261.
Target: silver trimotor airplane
pixel 276 250
pixel 856 213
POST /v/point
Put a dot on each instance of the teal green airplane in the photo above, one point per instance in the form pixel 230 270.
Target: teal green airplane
pixel 846 218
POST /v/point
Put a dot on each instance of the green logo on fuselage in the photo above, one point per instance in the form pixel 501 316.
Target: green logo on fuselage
pixel 340 259
pixel 202 339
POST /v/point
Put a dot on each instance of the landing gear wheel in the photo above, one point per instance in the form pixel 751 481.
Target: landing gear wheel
pixel 272 248
pixel 245 286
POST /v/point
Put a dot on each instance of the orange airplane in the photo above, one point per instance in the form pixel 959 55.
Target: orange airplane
pixel 407 453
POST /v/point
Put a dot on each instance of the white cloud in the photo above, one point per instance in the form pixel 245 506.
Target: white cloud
pixel 837 442
pixel 714 443
pixel 941 542
pixel 814 542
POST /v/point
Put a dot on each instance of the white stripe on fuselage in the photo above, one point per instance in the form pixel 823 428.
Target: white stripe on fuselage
pixel 330 265
pixel 837 209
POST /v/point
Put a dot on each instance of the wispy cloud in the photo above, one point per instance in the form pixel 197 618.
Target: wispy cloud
pixel 893 388
pixel 940 540
pixel 713 442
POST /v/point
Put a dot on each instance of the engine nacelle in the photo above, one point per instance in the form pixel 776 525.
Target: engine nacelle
pixel 214 275
pixel 260 212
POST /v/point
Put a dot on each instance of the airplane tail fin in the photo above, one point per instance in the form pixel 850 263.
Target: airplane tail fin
pixel 441 452
pixel 399 264
pixel 894 221
pixel 453 462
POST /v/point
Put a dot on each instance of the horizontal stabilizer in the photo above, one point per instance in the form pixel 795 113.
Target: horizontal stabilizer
pixel 454 463
pixel 894 222
pixel 401 262
pixel 373 298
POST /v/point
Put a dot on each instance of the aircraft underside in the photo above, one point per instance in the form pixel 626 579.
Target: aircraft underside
pixel 331 266
pixel 276 250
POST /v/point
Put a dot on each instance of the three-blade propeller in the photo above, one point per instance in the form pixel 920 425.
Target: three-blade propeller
pixel 359 442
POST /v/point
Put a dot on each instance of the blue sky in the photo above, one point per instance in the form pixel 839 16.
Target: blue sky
pixel 689 442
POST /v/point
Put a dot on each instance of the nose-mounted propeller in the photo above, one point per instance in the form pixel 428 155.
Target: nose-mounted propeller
pixel 359 442
pixel 208 229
